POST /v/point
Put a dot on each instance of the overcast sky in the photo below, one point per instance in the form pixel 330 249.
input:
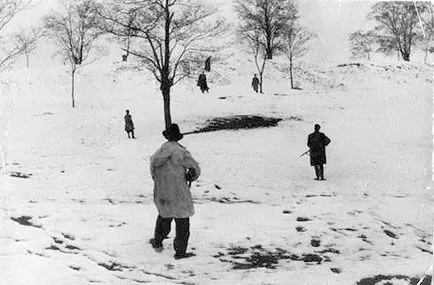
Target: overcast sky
pixel 331 20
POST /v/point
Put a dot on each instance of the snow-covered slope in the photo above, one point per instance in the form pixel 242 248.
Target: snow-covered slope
pixel 85 213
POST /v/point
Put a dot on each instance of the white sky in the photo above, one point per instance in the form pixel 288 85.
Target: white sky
pixel 331 20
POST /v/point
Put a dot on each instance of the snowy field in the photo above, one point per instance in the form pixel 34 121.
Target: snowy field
pixel 85 212
pixel 76 193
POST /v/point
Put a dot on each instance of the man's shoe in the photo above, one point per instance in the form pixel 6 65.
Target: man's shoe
pixel 183 255
pixel 155 244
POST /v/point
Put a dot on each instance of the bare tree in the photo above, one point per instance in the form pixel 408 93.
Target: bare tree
pixel 425 12
pixel 269 18
pixel 170 37
pixel 10 48
pixel 27 41
pixel 253 41
pixel 362 44
pixel 397 21
pixel 75 29
pixel 297 44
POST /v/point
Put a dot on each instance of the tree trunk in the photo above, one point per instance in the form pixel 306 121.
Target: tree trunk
pixel 290 72
pixel 406 56
pixel 166 103
pixel 27 59
pixel 73 86
pixel 269 52
pixel 260 83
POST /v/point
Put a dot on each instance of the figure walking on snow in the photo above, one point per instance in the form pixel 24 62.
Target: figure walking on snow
pixel 172 167
pixel 129 125
pixel 201 82
pixel 317 143
pixel 255 83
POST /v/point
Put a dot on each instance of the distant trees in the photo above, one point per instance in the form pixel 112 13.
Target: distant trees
pixel 297 41
pixel 268 19
pixel 395 26
pixel 16 44
pixel 74 28
pixel 362 44
pixel 425 12
pixel 171 37
pixel 26 40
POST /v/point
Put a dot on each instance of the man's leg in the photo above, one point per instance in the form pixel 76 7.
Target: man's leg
pixel 182 234
pixel 321 171
pixel 162 229
pixel 132 133
pixel 128 133
pixel 317 172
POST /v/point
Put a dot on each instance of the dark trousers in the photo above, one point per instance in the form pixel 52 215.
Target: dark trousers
pixel 162 229
pixel 132 133
pixel 319 171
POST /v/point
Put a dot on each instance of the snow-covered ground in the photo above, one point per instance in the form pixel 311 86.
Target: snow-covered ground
pixel 85 213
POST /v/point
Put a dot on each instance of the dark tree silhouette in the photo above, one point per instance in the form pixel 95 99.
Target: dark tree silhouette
pixel 396 24
pixel 170 37
pixel 75 29
pixel 267 18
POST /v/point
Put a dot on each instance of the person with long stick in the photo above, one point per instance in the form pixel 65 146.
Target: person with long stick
pixel 317 143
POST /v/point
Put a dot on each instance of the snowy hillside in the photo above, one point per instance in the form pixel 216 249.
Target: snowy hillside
pixel 77 194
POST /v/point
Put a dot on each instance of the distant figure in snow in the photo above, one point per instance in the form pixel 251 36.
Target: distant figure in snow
pixel 317 142
pixel 255 83
pixel 201 82
pixel 129 125
pixel 208 64
pixel 172 167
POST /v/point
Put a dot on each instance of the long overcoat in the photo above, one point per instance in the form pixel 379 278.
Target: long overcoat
pixel 172 194
pixel 317 142
pixel 129 125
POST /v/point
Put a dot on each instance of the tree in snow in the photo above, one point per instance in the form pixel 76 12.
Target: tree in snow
pixel 171 37
pixel 253 40
pixel 425 11
pixel 16 44
pixel 27 40
pixel 396 24
pixel 362 44
pixel 75 28
pixel 297 41
pixel 268 19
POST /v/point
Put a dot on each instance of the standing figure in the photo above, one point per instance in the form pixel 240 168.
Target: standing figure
pixel 201 82
pixel 317 142
pixel 129 125
pixel 171 167
pixel 255 83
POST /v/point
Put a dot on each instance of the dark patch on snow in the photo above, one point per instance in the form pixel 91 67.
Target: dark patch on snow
pixel 257 256
pixel 113 266
pixel 329 250
pixel 300 229
pixel 72 247
pixel 335 270
pixel 237 122
pixel 390 234
pixel 217 187
pixel 58 241
pixel 379 278
pixel 365 239
pixel 76 268
pixel 356 64
pixel 25 221
pixel 47 114
pixel 18 174
pixel 53 247
pixel 227 200
pixel 303 219
pixel 68 236
pixel 315 242
pixel 287 212
pixel 424 250
pixel 222 98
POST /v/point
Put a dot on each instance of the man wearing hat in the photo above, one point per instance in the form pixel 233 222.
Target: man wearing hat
pixel 317 142
pixel 172 197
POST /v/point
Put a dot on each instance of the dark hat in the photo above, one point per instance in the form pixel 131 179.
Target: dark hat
pixel 317 127
pixel 173 133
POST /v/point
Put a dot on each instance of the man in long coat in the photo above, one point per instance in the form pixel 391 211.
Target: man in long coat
pixel 172 195
pixel 317 142
pixel 201 82
pixel 255 83
pixel 129 125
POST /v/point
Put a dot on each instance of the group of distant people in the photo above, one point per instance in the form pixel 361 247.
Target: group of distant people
pixel 173 168
pixel 203 84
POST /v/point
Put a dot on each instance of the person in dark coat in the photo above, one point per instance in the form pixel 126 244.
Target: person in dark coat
pixel 317 143
pixel 201 82
pixel 129 125
pixel 172 168
pixel 255 83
